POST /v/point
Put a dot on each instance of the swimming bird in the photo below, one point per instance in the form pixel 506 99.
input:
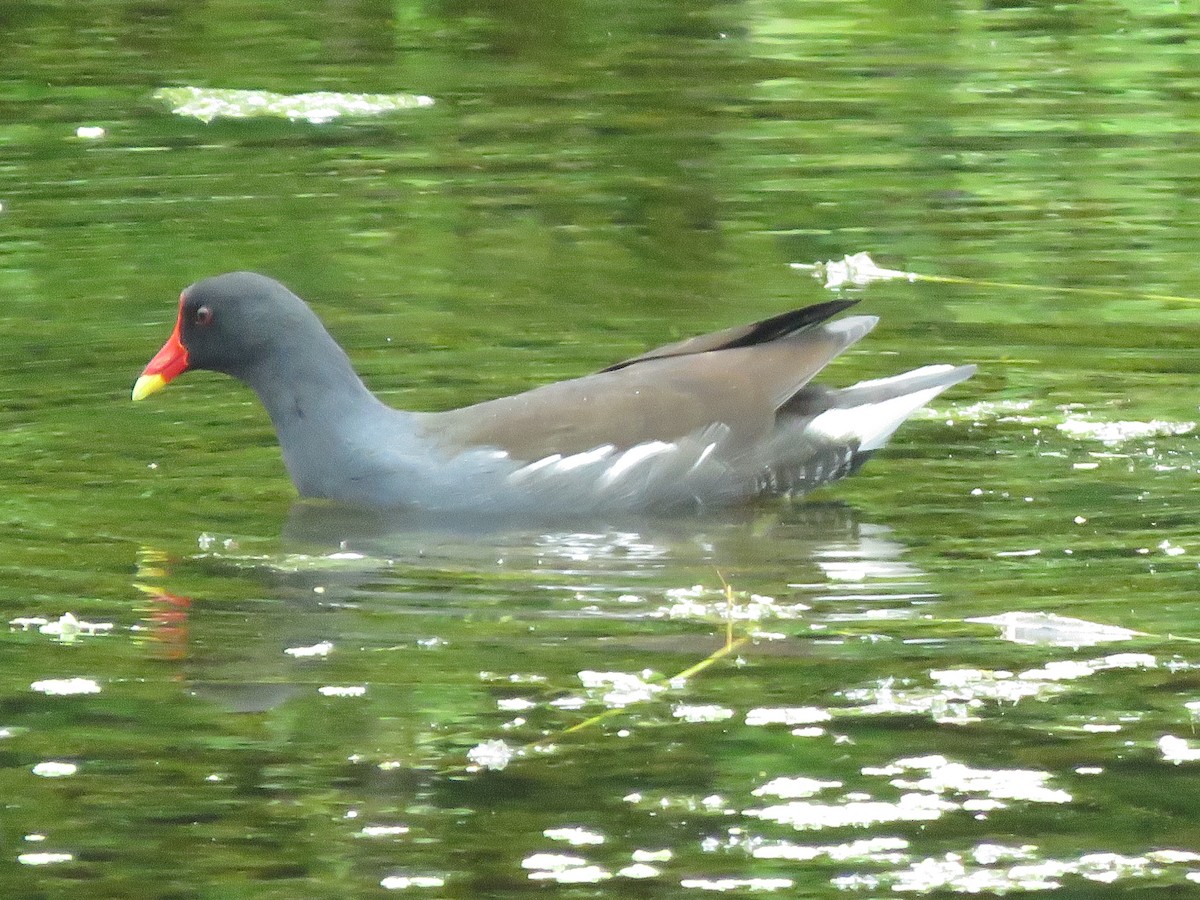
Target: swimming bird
pixel 705 422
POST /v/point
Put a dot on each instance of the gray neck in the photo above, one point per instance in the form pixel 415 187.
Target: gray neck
pixel 333 431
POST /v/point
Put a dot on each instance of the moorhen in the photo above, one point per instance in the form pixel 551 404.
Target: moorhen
pixel 708 421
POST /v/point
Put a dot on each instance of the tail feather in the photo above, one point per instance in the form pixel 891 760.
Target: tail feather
pixel 868 413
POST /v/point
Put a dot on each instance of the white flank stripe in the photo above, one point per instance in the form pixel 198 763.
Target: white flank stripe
pixel 586 458
pixel 704 454
pixel 526 471
pixel 632 457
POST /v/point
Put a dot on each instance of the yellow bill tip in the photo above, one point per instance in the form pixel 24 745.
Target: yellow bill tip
pixel 147 385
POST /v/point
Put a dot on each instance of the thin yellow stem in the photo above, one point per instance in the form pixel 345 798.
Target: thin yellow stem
pixel 1018 286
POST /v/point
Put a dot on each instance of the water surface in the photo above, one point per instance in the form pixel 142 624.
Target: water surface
pixel 207 690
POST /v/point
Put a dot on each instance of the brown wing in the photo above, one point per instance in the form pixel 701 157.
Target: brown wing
pixel 739 377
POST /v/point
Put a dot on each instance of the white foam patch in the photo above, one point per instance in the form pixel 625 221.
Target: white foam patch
pixel 873 423
pixel 634 455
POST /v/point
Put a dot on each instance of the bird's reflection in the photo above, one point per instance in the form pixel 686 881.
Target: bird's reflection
pixel 335 565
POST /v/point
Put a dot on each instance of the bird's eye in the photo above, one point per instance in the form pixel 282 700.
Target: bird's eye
pixel 202 316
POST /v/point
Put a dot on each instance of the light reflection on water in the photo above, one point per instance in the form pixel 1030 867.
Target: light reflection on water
pixel 306 633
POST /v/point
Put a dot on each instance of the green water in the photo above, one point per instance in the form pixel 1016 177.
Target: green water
pixel 280 703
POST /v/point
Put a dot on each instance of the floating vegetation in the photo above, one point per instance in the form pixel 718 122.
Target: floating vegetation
pixel 347 690
pixel 563 868
pixel 1177 750
pixel 43 859
pixel 1050 629
pixel 316 108
pixel 694 713
pixel 855 270
pixel 859 270
pixel 403 882
pixel 576 837
pixel 324 648
pixel 64 687
pixel 55 769
pixel 706 604
pixel 933 786
pixel 66 629
pixel 494 755
pixel 960 696
pixel 620 690
pixel 1001 870
pixel 1114 433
